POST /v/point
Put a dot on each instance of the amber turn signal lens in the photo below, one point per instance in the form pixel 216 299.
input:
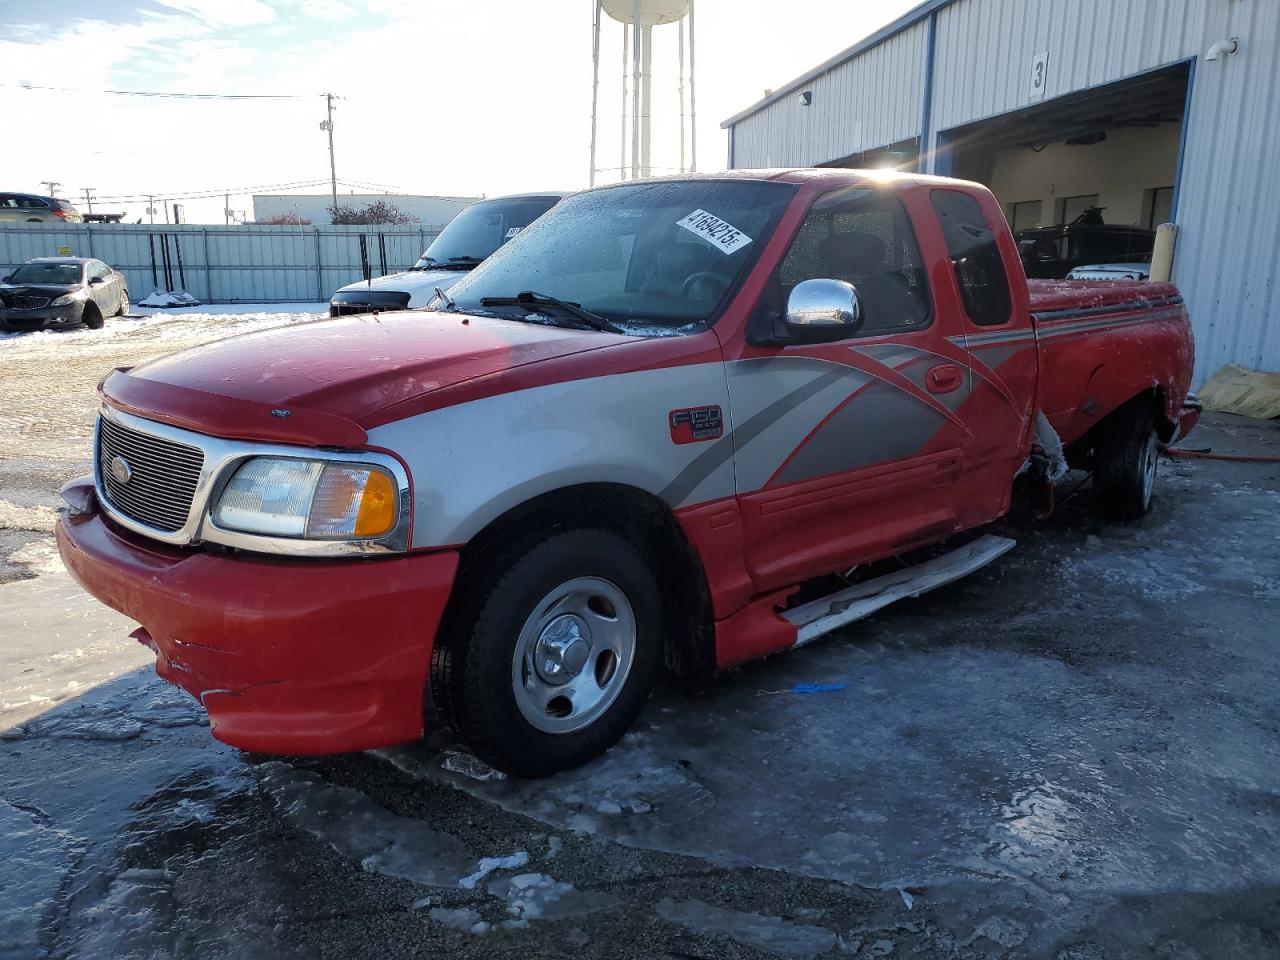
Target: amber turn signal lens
pixel 378 504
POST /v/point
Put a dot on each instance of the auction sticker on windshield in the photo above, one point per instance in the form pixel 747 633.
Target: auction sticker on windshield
pixel 721 234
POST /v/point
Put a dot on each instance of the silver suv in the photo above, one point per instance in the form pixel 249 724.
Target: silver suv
pixel 30 208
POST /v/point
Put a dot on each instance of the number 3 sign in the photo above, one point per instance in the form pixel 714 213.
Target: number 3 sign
pixel 1039 74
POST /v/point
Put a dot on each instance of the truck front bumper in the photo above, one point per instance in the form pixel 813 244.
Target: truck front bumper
pixel 287 656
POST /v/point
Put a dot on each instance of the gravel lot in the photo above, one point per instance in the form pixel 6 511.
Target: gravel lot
pixel 1074 753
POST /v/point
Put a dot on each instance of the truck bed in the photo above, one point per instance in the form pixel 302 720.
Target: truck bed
pixel 1103 342
pixel 1056 296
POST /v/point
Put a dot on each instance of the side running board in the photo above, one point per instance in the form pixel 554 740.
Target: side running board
pixel 825 614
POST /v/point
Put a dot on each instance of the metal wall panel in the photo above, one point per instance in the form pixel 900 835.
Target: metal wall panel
pixel 985 48
pixel 261 264
pixel 865 103
pixel 1228 257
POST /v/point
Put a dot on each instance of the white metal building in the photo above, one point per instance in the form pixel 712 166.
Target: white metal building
pixel 1157 110
pixel 314 208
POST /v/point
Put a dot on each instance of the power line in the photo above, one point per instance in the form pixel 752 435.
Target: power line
pixel 203 193
pixel 166 94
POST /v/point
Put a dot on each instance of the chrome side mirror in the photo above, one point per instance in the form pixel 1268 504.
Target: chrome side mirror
pixel 822 310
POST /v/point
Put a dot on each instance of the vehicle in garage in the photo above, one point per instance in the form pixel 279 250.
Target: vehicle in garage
pixel 33 208
pixel 462 245
pixel 1051 253
pixel 62 291
pixel 1112 271
pixel 691 421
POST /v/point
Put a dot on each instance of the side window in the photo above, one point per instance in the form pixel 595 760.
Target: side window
pixel 863 236
pixel 971 245
pixel 98 269
pixel 1141 243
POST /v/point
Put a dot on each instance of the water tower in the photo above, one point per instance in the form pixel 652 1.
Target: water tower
pixel 638 18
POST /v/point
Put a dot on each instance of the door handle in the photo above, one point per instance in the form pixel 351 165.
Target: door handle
pixel 944 378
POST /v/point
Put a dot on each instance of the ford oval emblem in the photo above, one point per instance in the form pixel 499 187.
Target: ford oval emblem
pixel 281 412
pixel 121 470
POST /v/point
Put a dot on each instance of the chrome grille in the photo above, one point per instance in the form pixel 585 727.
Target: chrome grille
pixel 161 475
pixel 26 303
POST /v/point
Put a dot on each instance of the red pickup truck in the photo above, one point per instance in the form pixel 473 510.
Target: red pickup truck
pixel 675 421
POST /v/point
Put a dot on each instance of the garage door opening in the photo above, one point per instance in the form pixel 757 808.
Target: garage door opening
pixel 1108 155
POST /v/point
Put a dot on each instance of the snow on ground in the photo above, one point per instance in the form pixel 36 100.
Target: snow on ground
pixel 1074 753
pixel 48 401
pixel 184 322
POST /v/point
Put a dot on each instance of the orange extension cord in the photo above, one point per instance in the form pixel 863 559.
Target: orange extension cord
pixel 1209 455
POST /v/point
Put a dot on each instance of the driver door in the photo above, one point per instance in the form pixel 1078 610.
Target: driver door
pixel 850 451
pixel 97 274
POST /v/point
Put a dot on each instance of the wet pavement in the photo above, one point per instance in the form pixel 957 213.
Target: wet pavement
pixel 1074 753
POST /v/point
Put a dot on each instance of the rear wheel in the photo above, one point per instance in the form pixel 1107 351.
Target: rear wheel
pixel 549 658
pixel 124 304
pixel 1124 471
pixel 93 317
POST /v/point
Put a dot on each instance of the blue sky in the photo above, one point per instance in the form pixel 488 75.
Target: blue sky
pixel 458 97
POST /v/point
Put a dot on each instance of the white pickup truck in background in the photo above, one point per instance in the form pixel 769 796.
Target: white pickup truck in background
pixel 463 245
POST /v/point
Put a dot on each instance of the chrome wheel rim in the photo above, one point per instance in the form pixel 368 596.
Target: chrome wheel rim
pixel 1148 468
pixel 573 655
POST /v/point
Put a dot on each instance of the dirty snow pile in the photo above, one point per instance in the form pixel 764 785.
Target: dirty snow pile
pixel 178 298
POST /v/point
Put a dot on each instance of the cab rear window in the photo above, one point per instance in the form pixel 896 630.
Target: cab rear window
pixel 979 268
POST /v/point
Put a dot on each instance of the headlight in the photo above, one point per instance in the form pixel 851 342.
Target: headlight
pixel 311 499
pixel 69 298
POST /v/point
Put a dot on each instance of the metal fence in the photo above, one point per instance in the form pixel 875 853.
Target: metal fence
pixel 261 264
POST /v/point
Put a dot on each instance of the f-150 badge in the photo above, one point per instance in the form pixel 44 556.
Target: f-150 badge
pixel 693 424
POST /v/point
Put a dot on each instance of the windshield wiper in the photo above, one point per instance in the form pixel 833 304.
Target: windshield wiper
pixel 531 300
pixel 449 305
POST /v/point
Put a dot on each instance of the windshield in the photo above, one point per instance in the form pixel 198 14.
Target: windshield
pixel 661 253
pixel 53 273
pixel 481 229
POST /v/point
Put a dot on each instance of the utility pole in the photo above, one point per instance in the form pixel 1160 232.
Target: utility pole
pixel 52 185
pixel 88 197
pixel 151 208
pixel 693 108
pixel 333 171
pixel 226 208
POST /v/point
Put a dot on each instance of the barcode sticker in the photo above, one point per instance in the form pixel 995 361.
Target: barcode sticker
pixel 721 234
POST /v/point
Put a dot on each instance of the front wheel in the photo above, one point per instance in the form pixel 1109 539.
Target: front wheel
pixel 549 660
pixel 93 317
pixel 1124 472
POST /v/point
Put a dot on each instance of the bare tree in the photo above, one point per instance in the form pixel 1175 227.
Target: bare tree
pixel 380 211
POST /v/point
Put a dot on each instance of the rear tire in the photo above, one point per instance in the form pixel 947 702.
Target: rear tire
pixel 93 317
pixel 124 304
pixel 1124 471
pixel 550 655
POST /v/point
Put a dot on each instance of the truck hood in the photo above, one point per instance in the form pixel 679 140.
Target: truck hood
pixel 411 281
pixel 321 382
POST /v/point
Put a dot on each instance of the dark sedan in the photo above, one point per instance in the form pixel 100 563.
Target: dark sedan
pixel 60 291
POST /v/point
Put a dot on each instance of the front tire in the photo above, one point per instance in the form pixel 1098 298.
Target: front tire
pixel 550 656
pixel 93 317
pixel 1124 471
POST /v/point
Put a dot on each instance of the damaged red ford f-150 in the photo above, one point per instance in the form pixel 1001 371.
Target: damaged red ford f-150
pixel 678 421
